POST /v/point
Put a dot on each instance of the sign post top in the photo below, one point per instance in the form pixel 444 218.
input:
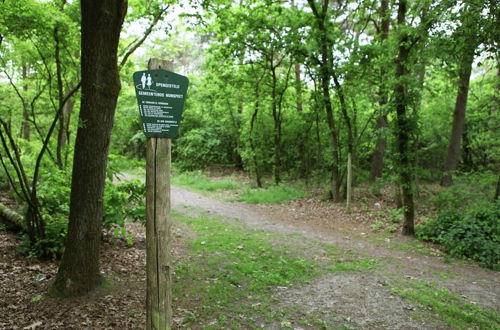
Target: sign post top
pixel 161 96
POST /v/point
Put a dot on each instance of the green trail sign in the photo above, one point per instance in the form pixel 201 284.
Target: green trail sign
pixel 161 95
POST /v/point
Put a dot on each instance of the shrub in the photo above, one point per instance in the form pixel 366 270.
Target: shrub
pixel 121 202
pixel 124 202
pixel 474 233
pixel 468 189
pixel 201 147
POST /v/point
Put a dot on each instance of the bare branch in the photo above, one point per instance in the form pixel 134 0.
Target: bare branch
pixel 51 130
pixel 156 19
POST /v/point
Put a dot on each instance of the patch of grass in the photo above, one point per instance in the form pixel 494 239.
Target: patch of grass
pixel 200 182
pixel 233 270
pixel 447 305
pixel 417 247
pixel 272 195
pixel 354 265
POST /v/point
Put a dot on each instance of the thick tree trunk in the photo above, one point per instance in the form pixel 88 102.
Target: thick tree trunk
pixel 457 128
pixel 101 24
pixel 11 219
pixel 404 127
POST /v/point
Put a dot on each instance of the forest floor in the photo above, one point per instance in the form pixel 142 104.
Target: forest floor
pixel 378 297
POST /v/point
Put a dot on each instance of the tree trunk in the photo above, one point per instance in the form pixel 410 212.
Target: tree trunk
pixel 468 162
pixel 349 182
pixel 377 162
pixel 63 132
pixel 250 138
pixel 325 82
pixel 325 77
pixel 298 82
pixel 277 128
pixel 101 24
pixel 404 127
pixel 11 219
pixel 26 115
pixel 457 128
pixel 298 88
pixel 497 191
pixel 350 139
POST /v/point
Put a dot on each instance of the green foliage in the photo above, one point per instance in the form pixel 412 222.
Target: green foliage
pixel 468 189
pixel 272 195
pixel 53 193
pixel 124 202
pixel 453 309
pixel 200 147
pixel 474 233
pixel 119 166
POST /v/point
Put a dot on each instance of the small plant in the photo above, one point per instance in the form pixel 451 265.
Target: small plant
pixel 392 228
pixel 395 215
pixel 377 225
pixel 124 202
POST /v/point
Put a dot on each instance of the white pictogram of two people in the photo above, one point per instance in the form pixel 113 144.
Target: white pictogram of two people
pixel 146 81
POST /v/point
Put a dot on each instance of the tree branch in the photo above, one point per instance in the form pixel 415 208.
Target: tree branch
pixel 156 19
pixel 51 130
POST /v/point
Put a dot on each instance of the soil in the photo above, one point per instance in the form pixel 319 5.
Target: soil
pixel 360 300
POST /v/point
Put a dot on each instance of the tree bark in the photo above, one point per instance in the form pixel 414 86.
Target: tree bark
pixel 497 191
pixel 12 220
pixel 350 139
pixel 377 162
pixel 457 129
pixel 325 77
pixel 298 88
pixel 258 179
pixel 101 24
pixel 404 127
pixel 277 127
pixel 63 132
pixel 26 114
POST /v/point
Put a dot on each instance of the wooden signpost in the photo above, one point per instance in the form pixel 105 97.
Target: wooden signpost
pixel 160 96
